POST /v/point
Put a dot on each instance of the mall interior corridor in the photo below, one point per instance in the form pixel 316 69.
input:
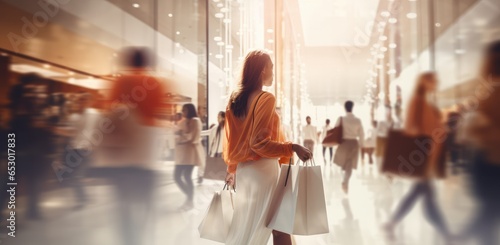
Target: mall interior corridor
pixel 250 122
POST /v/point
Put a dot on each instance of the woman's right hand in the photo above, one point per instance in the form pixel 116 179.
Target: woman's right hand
pixel 303 153
pixel 230 179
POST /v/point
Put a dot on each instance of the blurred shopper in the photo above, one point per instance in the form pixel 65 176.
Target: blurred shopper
pixel 423 118
pixel 347 153
pixel 79 120
pixel 129 132
pixel 253 144
pixel 34 143
pixel 324 131
pixel 370 143
pixel 188 153
pixel 484 132
pixel 452 144
pixel 383 128
pixel 215 135
pixel 309 134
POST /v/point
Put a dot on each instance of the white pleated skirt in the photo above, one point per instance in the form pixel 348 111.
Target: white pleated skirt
pixel 255 185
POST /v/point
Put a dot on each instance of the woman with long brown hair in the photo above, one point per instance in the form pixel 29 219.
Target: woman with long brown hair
pixel 254 145
pixel 424 118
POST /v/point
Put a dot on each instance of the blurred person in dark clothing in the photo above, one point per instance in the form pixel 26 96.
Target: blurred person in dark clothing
pixel 127 152
pixel 34 143
pixel 453 146
pixel 423 119
pixel 484 132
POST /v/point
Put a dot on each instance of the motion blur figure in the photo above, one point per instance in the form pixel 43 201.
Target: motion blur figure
pixel 484 131
pixel 423 119
pixel 188 153
pixel 79 120
pixel 34 141
pixel 127 151
pixel 324 132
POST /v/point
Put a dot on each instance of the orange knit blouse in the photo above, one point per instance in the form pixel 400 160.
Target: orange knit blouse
pixel 246 141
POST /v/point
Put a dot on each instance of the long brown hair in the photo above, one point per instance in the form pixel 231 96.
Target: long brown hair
pixel 254 64
pixel 420 90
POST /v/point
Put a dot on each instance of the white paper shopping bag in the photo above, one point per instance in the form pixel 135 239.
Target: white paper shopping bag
pixel 215 225
pixel 301 208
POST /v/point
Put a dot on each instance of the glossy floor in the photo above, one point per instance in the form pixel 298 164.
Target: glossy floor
pixel 354 219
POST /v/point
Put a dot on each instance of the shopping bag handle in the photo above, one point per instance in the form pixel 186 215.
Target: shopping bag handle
pixel 308 162
pixel 227 186
pixel 289 167
pixel 288 172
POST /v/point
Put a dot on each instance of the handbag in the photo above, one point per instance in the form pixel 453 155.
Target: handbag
pixel 334 136
pixel 215 166
pixel 410 155
pixel 299 205
pixel 217 221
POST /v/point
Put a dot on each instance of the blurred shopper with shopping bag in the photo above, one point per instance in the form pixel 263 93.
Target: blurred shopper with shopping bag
pixel 417 152
pixel 300 207
pixel 353 135
pixel 254 146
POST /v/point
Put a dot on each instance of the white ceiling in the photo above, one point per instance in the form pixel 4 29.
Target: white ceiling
pixel 335 22
pixel 336 35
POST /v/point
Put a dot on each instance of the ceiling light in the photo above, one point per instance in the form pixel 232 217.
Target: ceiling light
pixel 459 51
pixel 385 14
pixel 411 15
pixel 178 32
pixel 229 46
pixel 393 20
pixel 217 39
pixel 219 56
pixel 224 10
pixel 220 43
pixel 383 49
pixel 46 66
pixel 219 15
pixel 438 24
pixel 392 45
pixel 136 5
pixel 380 56
pixel 226 21
pixel 220 5
pixel 382 38
pixel 170 15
